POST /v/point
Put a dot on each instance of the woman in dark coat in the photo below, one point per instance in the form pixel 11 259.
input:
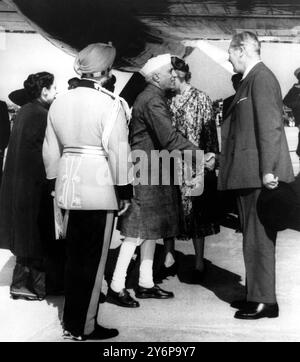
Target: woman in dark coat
pixel 25 203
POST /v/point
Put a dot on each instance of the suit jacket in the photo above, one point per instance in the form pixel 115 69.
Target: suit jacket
pixel 4 126
pixel 253 138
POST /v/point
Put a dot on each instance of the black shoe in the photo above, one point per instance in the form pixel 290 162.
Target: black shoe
pixel 98 334
pixel 101 333
pixel 25 295
pixel 165 272
pixel 154 292
pixel 242 304
pixel 122 299
pixel 261 310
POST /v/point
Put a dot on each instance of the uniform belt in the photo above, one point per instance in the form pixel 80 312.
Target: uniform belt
pixel 86 150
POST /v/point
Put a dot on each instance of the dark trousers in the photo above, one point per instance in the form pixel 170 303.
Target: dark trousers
pixel 85 237
pixel 258 250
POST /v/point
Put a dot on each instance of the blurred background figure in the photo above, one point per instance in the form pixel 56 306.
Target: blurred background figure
pixel 4 133
pixel 73 83
pixel 193 117
pixel 236 81
pixel 25 207
pixel 292 100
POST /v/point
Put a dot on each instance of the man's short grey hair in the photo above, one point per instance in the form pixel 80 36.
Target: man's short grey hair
pixel 246 39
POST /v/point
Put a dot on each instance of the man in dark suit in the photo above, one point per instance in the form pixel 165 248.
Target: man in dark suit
pixel 254 155
pixel 4 133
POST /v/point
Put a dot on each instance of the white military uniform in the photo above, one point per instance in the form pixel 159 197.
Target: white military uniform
pixel 86 128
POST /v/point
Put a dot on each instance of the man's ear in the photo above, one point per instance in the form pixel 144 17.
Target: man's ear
pixel 156 77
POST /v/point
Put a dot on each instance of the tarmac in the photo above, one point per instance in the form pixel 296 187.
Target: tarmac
pixel 200 311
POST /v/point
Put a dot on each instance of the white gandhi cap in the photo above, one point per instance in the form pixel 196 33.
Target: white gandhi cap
pixel 155 63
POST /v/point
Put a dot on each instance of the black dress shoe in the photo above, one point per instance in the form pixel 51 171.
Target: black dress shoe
pixel 261 310
pixel 242 304
pixel 101 333
pixel 154 292
pixel 98 334
pixel 122 299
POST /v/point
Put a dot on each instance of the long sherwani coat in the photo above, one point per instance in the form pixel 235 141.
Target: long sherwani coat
pixel 254 144
pixel 154 212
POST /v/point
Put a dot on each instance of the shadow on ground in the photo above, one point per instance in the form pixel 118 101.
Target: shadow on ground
pixel 224 284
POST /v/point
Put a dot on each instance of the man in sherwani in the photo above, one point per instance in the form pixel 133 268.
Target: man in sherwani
pixel 254 155
pixel 85 136
pixel 154 212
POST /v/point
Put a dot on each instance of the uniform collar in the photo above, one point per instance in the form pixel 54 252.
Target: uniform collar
pixel 89 83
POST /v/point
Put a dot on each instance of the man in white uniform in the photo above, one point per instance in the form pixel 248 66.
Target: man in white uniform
pixel 86 133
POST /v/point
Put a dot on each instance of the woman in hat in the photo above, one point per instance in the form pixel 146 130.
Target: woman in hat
pixel 25 218
pixel 193 117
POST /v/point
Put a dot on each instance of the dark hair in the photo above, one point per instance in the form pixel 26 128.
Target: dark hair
pixel 109 84
pixel 73 82
pixel 36 82
pixel 182 66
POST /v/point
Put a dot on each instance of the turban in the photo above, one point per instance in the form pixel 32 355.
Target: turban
pixel 155 63
pixel 296 72
pixel 95 59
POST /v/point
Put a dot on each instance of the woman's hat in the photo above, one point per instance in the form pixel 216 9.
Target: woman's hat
pixel 19 97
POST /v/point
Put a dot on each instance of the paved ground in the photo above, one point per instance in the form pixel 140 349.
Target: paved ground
pixel 199 312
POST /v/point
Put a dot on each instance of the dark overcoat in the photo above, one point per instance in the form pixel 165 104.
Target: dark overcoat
pixel 253 138
pixel 4 126
pixel 25 204
pixel 154 212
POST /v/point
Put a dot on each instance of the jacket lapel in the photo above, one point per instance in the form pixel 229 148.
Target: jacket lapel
pixel 243 85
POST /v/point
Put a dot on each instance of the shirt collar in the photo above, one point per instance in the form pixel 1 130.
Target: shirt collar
pixel 251 66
